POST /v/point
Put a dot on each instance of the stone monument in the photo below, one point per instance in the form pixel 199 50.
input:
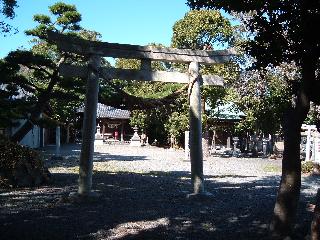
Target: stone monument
pixel 98 139
pixel 135 140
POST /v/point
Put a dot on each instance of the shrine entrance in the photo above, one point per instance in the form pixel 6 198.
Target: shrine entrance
pixel 112 122
pixel 96 50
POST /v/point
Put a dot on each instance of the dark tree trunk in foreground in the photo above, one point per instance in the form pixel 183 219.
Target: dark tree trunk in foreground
pixel 315 224
pixel 289 190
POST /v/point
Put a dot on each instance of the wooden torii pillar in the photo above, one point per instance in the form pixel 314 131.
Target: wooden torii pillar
pixel 96 50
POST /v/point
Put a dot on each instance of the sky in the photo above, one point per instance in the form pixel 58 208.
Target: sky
pixel 119 21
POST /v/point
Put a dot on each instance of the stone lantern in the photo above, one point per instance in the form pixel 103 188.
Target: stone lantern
pixel 135 140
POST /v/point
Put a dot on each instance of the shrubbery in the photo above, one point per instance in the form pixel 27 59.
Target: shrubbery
pixel 20 166
pixel 310 167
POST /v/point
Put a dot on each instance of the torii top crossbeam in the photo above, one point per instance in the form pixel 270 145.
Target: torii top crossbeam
pixel 105 49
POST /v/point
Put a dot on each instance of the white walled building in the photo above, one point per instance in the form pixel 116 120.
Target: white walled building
pixel 34 137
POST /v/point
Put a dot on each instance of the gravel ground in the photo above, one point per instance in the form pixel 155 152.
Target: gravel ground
pixel 142 195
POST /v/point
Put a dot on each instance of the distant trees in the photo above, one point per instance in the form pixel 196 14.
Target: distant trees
pixel 263 96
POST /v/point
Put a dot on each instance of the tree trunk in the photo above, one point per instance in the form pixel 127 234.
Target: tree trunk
pixel 289 190
pixel 205 144
pixel 205 136
pixel 315 224
pixel 68 133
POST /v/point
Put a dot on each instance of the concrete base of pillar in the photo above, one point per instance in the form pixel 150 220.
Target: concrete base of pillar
pixel 57 158
pixel 75 197
pixel 135 140
pixel 98 142
pixel 135 143
pixel 200 196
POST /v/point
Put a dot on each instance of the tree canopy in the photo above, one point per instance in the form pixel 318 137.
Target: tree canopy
pixel 283 32
pixel 35 72
pixel 202 29
pixel 7 11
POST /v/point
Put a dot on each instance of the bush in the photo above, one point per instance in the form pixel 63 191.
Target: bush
pixel 307 167
pixel 20 166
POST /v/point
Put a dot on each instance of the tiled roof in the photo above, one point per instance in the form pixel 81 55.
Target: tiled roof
pixel 104 111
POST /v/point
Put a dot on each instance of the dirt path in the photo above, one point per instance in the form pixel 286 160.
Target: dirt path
pixel 143 196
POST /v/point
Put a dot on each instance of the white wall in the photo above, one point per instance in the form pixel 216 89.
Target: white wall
pixel 32 139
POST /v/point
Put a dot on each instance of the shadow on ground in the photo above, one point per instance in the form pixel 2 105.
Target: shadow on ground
pixel 144 206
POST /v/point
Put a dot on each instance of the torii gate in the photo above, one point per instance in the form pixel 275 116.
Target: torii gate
pixel 96 50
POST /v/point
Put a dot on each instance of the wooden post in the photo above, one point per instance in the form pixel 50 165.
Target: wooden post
pixel 58 141
pixel 145 64
pixel 68 133
pixel 103 130
pixel 89 126
pixel 196 156
pixel 214 140
pixel 41 137
pixel 122 132
pixel 308 144
pixel 186 145
pixel 57 155
pixel 229 143
pixel 315 224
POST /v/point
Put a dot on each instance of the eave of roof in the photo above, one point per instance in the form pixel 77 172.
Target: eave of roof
pixel 104 111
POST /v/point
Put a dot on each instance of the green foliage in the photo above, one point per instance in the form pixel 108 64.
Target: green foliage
pixel 154 90
pixel 67 19
pixel 281 32
pixel 177 123
pixel 15 103
pixel 11 155
pixel 214 96
pixel 263 97
pixel 35 73
pixel 152 122
pixel 7 11
pixel 7 7
pixel 200 28
pixel 313 117
pixel 139 118
pixel 307 167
